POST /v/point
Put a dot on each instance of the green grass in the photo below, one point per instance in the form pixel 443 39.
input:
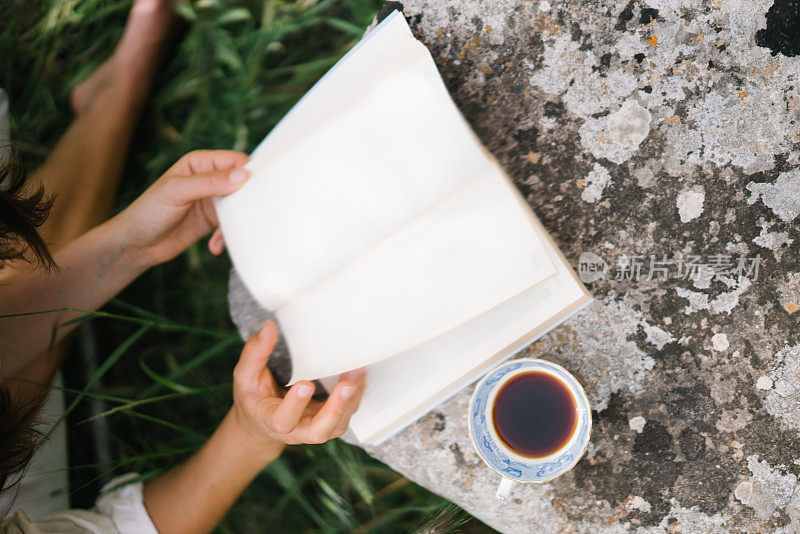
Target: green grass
pixel 166 345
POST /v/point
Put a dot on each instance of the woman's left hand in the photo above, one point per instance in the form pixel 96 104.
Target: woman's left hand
pixel 177 209
pixel 272 417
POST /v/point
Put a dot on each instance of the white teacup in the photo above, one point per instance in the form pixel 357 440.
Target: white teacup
pixel 501 458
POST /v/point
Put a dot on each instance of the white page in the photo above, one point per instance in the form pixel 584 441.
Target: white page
pixel 391 47
pixel 354 75
pixel 468 254
pixel 348 184
pixel 401 389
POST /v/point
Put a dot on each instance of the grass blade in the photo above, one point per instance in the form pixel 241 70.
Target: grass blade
pixel 345 458
pixel 280 471
pixel 198 360
pixel 105 366
pixel 166 382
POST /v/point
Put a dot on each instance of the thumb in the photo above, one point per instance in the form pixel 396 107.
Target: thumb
pixel 256 352
pixel 183 190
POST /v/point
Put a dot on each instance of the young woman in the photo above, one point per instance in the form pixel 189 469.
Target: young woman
pixel 73 259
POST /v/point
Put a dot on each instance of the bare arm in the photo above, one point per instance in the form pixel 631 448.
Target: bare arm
pixel 194 496
pixel 171 215
pixel 93 269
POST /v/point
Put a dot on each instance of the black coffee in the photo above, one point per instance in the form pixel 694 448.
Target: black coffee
pixel 535 414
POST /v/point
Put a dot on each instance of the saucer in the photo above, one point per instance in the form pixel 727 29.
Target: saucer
pixel 496 457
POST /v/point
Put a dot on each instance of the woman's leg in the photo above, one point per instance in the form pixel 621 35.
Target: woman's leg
pixel 83 170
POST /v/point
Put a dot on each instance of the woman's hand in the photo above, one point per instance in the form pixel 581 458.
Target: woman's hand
pixel 177 209
pixel 251 435
pixel 269 416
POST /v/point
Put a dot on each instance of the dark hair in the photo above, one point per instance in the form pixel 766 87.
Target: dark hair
pixel 19 437
pixel 23 210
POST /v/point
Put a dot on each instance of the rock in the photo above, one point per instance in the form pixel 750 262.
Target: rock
pixel 764 382
pixel 690 204
pixel 774 241
pixel 597 180
pixel 720 342
pixel 782 197
pixel 783 402
pixel 658 336
pixel 789 291
pixel 637 423
pixel 767 490
pixel 617 136
pixel 630 146
pixel 637 503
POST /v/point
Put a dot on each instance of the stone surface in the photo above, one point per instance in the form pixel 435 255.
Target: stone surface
pixel 690 204
pixel 649 128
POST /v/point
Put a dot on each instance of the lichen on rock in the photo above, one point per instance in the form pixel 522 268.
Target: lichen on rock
pixel 617 136
pixel 651 128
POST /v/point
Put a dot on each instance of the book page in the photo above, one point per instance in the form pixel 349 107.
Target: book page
pixel 348 184
pixel 401 389
pixel 382 52
pixel 468 254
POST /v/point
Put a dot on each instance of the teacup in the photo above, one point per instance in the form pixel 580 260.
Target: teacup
pixel 498 455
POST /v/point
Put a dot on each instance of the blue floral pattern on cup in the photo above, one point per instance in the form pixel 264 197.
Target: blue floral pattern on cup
pixel 495 456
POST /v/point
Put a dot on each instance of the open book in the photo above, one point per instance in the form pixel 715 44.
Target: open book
pixel 382 234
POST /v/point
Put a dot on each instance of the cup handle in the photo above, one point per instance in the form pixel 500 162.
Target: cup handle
pixel 504 489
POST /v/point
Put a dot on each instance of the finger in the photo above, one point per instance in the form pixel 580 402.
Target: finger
pixel 216 245
pixel 202 161
pixel 329 416
pixel 256 352
pixel 287 414
pixel 359 378
pixel 183 190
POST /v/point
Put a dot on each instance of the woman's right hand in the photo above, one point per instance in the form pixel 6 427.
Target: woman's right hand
pixel 177 209
pixel 269 416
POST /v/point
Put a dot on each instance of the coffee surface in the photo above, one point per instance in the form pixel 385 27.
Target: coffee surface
pixel 535 414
